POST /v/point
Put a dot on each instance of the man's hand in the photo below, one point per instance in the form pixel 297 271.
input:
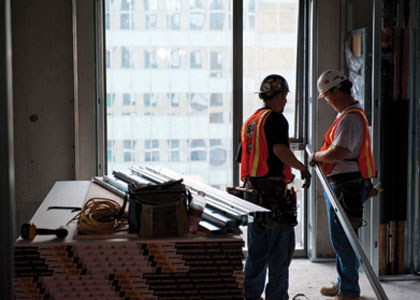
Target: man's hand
pixel 373 191
pixel 306 176
pixel 311 160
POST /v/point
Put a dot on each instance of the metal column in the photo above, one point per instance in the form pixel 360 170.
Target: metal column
pixel 7 189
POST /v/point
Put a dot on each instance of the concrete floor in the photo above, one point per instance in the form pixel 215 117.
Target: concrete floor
pixel 307 277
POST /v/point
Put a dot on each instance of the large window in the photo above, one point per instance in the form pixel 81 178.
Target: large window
pixel 270 46
pixel 176 60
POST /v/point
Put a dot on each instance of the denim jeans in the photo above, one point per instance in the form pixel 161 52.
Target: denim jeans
pixel 347 263
pixel 270 248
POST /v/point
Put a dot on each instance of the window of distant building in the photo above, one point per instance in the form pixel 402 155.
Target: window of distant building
pixel 150 59
pixel 175 62
pixel 127 15
pixel 175 21
pixel 198 102
pixel 150 5
pixel 216 99
pixel 218 153
pixel 110 102
pixel 151 150
pixel 108 59
pixel 107 15
pixel 150 21
pixel 174 150
pixel 110 151
pixel 216 118
pixel 126 99
pixel 195 59
pixel 197 15
pixel 150 100
pixel 251 14
pixel 126 58
pixel 128 148
pixel 150 18
pixel 174 99
pixel 216 64
pixel 173 8
pixel 217 15
pixel 198 150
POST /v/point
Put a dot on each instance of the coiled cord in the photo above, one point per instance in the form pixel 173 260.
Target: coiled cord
pixel 100 216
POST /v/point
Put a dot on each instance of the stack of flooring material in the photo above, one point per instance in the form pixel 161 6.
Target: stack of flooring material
pixel 196 268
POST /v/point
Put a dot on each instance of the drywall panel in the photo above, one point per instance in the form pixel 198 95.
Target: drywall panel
pixel 43 99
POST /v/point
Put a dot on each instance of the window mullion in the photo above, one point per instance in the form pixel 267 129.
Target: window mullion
pixel 237 89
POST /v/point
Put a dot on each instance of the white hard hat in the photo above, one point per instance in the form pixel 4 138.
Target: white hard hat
pixel 328 80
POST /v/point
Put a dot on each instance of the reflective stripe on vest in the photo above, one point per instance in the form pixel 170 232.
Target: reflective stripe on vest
pixel 254 147
pixel 365 159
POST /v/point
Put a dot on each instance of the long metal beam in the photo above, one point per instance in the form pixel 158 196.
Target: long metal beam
pixel 226 204
pixel 350 233
pixel 195 185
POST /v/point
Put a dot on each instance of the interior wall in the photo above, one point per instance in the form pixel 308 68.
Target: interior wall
pixel 86 163
pixel 363 14
pixel 43 109
pixel 327 57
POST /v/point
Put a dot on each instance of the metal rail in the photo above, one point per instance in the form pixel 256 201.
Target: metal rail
pixel 229 200
pixel 350 233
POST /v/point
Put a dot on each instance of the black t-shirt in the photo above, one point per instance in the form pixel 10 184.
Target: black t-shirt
pixel 276 130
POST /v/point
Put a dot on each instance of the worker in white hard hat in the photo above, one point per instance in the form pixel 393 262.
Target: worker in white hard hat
pixel 346 159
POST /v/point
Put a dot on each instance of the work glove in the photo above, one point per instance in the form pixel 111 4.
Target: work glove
pixel 306 176
pixel 311 159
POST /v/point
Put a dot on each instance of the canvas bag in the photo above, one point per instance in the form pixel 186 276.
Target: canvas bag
pixel 158 210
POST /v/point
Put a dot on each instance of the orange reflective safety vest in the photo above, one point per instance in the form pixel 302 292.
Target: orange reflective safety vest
pixel 365 159
pixel 254 148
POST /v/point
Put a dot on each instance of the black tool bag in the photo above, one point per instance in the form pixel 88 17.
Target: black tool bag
pixel 351 186
pixel 282 205
pixel 350 199
pixel 158 210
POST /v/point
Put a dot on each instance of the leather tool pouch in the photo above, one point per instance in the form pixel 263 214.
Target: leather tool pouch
pixel 158 210
pixel 274 196
pixel 350 199
pixel 283 208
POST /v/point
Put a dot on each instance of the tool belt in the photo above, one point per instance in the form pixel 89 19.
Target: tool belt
pixel 272 193
pixel 350 197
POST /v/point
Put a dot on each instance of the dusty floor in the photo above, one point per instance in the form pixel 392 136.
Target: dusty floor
pixel 307 277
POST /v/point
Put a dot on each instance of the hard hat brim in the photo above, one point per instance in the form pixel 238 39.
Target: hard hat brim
pixel 322 95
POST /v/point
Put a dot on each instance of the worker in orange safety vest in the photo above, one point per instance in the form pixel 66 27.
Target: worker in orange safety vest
pixel 266 162
pixel 346 159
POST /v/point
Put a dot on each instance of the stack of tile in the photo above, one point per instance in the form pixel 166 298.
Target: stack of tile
pixel 197 268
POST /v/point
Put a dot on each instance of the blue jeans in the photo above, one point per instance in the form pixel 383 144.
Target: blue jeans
pixel 272 248
pixel 347 263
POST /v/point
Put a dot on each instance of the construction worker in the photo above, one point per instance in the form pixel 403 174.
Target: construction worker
pixel 346 159
pixel 266 162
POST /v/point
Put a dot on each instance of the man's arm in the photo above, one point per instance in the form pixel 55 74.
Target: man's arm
pixel 332 155
pixel 287 157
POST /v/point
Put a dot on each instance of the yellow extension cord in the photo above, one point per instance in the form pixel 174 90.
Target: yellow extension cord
pixel 100 216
